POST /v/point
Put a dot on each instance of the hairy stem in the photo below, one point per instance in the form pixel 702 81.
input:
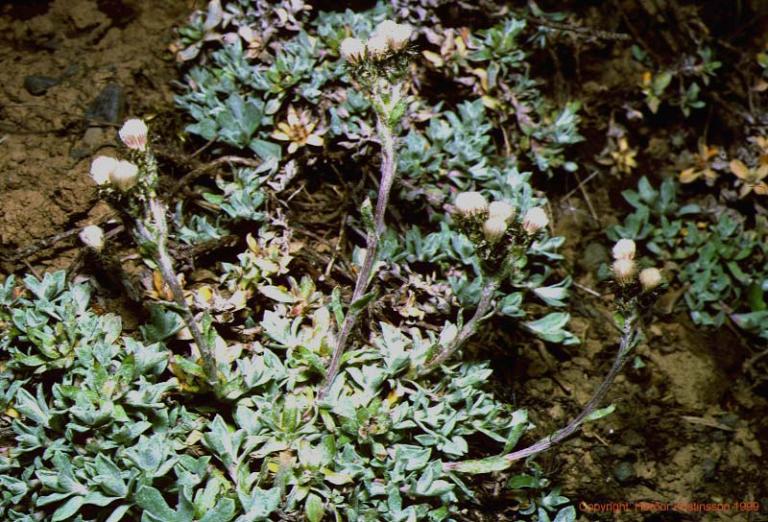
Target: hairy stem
pixel 470 328
pixel 388 171
pixel 165 264
pixel 629 333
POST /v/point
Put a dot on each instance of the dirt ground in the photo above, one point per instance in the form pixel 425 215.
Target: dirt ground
pixel 689 426
pixel 104 60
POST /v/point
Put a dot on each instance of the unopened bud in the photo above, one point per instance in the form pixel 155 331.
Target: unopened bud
pixel 471 203
pixel 494 229
pixel 624 271
pixel 399 37
pixel 624 249
pixel 125 176
pixel 501 210
pixel 535 219
pixel 102 168
pixel 92 236
pixel 377 47
pixel 385 28
pixel 352 50
pixel 650 278
pixel 134 134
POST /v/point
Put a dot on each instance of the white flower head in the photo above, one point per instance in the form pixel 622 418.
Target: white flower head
pixel 134 134
pixel 377 47
pixel 501 210
pixel 102 168
pixel 352 50
pixel 468 203
pixel 624 249
pixel 92 236
pixel 534 220
pixel 650 278
pixel 396 35
pixel 624 271
pixel 385 28
pixel 125 176
pixel 494 229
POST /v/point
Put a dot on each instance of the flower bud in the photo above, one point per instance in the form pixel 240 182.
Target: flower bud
pixel 494 229
pixel 399 37
pixel 125 176
pixel 93 237
pixel 650 278
pixel 134 134
pixel 624 249
pixel 501 210
pixel 352 50
pixel 624 271
pixel 102 168
pixel 377 47
pixel 535 219
pixel 385 28
pixel 470 203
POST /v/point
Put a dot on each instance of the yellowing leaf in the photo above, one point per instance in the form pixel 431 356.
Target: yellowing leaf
pixel 739 169
pixel 689 175
pixel 434 58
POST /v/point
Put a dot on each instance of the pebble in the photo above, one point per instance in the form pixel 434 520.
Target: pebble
pixel 624 472
pixel 108 106
pixel 93 137
pixel 37 85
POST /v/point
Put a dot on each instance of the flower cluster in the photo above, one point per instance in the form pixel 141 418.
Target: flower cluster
pixel 388 38
pixel 128 180
pixel 496 227
pixel 625 270
pixel 384 56
pixel 122 174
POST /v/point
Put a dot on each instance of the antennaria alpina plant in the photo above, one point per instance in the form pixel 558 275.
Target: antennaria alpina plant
pixel 369 411
pixel 131 186
pixel 379 66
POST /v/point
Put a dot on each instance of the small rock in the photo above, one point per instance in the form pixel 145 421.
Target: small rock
pixel 708 467
pixel 37 85
pixel 624 472
pixel 93 137
pixel 78 153
pixel 108 106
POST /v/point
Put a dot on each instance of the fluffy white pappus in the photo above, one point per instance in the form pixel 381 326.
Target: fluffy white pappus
pixel 92 236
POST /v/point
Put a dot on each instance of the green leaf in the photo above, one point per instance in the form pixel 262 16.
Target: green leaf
pixel 119 512
pixel 277 293
pixel 33 408
pixel 550 328
pixel 266 150
pixel 313 508
pixel 566 515
pixel 523 481
pixel 486 465
pixel 599 414
pixel 68 510
pixel 366 212
pixel 224 511
pixel 361 303
pixel 150 500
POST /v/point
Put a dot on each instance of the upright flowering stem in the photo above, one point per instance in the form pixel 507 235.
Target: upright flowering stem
pixel 388 171
pixel 158 238
pixel 628 337
pixel 468 330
